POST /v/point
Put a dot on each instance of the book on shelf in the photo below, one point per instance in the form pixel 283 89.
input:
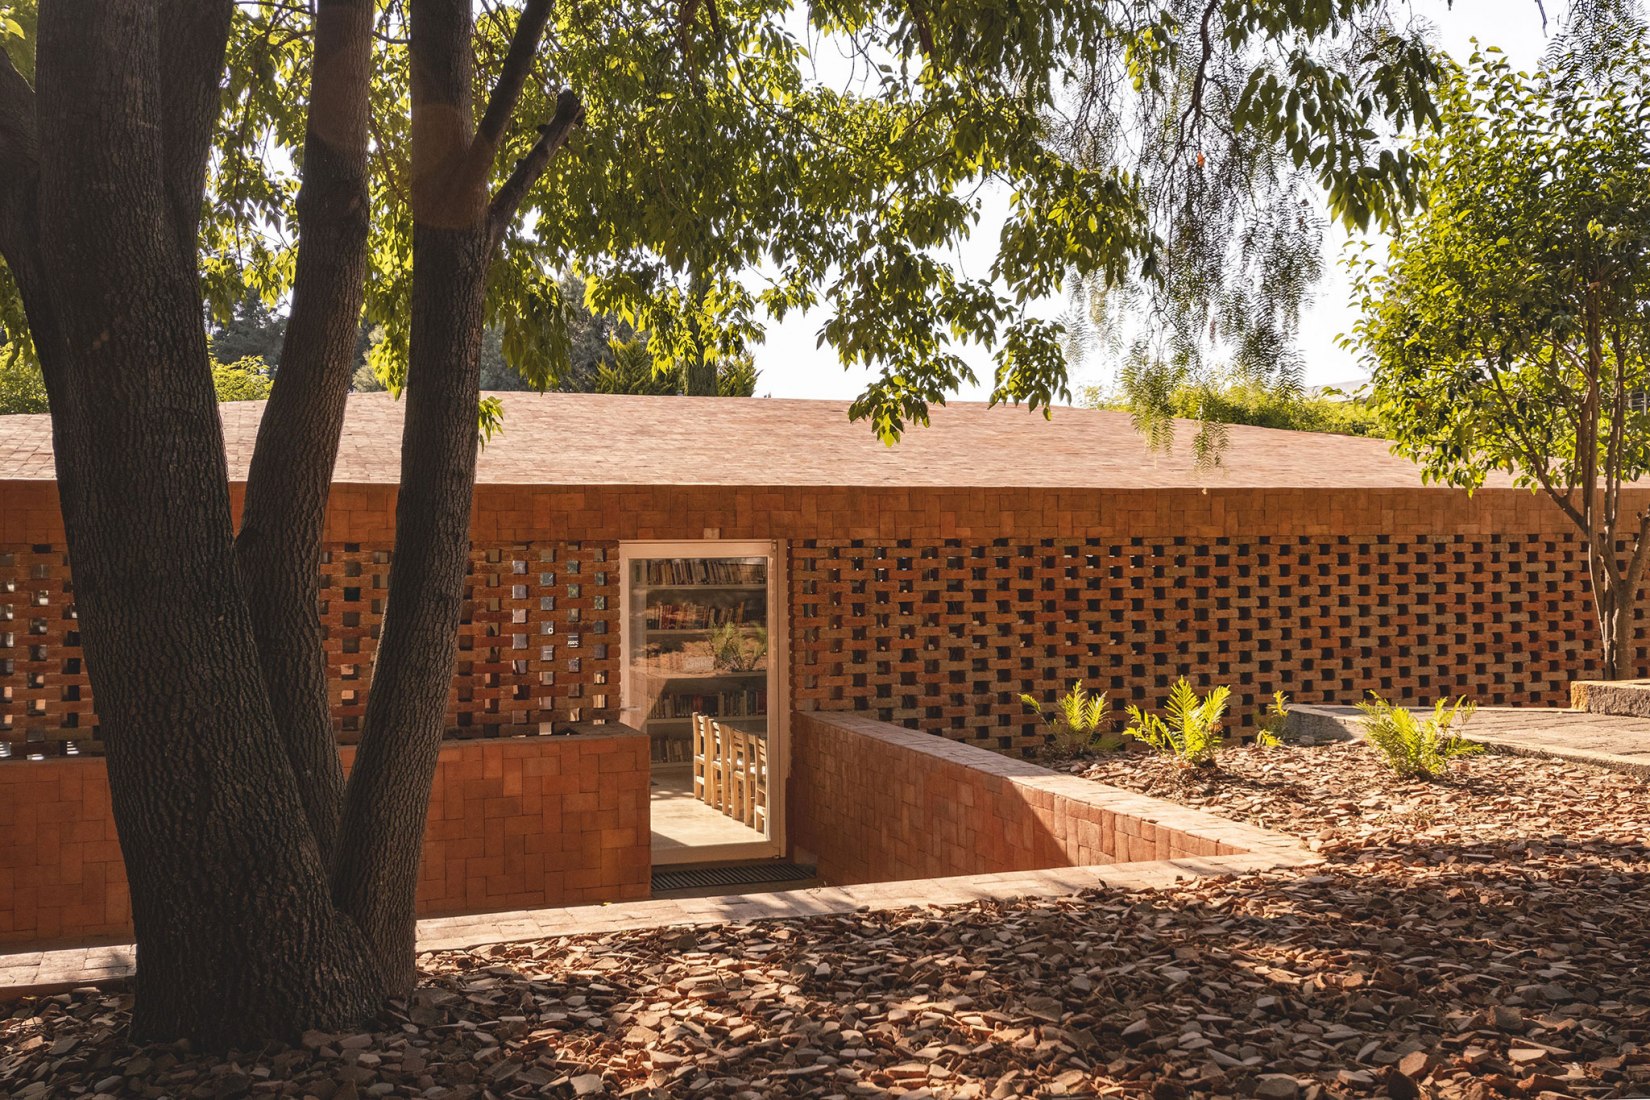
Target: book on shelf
pixel 666 571
pixel 693 616
pixel 738 703
pixel 671 750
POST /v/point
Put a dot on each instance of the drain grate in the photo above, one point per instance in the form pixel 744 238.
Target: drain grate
pixel 738 874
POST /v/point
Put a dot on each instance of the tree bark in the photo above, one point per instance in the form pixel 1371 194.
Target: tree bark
pixel 456 229
pixel 287 486
pixel 388 793
pixel 237 935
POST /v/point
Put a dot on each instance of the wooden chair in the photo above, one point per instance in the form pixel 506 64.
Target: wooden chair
pixel 757 816
pixel 701 755
pixel 738 752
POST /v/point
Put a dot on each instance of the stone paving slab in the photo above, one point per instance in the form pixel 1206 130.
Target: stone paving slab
pixel 1617 742
pixel 38 972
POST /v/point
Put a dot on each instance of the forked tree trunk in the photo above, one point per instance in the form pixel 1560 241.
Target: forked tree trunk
pixel 237 933
pixel 456 229
pixel 290 478
pixel 221 761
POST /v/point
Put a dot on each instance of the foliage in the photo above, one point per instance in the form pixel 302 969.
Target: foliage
pixel 252 330
pixel 1274 722
pixel 243 380
pixel 1250 123
pixel 631 368
pixel 22 388
pixel 739 647
pixel 364 381
pixel 1507 331
pixel 843 151
pixel 1414 747
pixel 1189 732
pixel 1238 402
pixel 1079 722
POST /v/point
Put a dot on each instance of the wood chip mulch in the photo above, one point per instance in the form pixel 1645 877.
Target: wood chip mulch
pixel 1486 935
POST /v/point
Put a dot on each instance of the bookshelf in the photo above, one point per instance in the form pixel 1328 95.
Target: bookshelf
pixel 696 642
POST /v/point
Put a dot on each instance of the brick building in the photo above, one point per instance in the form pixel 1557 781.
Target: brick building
pixel 752 559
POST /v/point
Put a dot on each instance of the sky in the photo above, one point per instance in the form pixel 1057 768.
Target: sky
pixel 792 365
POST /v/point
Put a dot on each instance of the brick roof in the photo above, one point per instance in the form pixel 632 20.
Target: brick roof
pixel 598 439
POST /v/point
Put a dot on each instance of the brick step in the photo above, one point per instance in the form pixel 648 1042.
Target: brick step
pixel 1628 698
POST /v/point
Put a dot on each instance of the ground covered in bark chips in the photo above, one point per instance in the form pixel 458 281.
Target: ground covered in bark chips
pixel 1485 935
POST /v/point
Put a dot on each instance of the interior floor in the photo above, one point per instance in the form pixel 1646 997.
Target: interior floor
pixel 682 822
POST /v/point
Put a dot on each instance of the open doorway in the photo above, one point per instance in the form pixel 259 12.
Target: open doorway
pixel 703 659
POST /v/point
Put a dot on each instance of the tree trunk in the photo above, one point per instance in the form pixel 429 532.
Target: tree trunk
pixel 237 936
pixel 287 487
pixel 389 788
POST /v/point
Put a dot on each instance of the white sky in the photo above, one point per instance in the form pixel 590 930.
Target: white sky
pixel 792 366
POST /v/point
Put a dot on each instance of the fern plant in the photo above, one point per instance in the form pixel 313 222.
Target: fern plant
pixel 1415 747
pixel 1273 722
pixel 1190 734
pixel 1079 722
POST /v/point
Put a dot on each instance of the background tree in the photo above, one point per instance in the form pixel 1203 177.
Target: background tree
pixel 1221 401
pixel 1507 330
pixel 251 331
pixel 243 380
pixel 1243 146
pixel 435 168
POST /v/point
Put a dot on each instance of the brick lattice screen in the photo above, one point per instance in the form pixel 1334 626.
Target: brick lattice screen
pixel 539 641
pixel 944 635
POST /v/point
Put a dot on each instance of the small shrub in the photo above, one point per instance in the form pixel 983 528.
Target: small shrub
pixel 1080 721
pixel 739 648
pixel 1417 747
pixel 1273 721
pixel 1191 735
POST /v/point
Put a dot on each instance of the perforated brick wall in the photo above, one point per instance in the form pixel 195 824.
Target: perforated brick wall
pixel 945 635
pixel 514 823
pixel 538 644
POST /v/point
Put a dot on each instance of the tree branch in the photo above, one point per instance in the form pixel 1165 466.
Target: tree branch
pixel 192 60
pixel 518 64
pixel 19 157
pixel 552 136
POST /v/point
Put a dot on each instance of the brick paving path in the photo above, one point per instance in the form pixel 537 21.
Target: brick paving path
pixel 1609 741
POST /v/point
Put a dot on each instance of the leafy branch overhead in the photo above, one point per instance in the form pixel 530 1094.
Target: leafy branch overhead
pixel 741 162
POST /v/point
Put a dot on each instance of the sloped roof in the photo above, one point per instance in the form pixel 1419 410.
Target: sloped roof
pixel 599 439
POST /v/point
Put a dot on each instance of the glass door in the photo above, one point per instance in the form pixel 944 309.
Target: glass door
pixel 701 637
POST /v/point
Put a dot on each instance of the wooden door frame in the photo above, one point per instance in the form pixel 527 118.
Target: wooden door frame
pixel 779 709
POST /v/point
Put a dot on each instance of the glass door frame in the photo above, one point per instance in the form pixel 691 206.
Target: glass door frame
pixel 779 668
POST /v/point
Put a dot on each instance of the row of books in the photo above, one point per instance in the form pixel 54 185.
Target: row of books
pixel 737 703
pixel 693 616
pixel 705 571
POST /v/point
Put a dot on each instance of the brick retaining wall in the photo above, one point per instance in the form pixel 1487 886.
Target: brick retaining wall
pixel 514 823
pixel 874 802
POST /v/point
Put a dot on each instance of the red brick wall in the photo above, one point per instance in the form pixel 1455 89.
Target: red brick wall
pixel 514 824
pixel 936 606
pixel 538 643
pixel 61 879
pixel 873 802
pixel 945 635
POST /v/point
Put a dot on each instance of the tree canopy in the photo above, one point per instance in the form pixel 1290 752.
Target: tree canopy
pixel 739 163
pixel 1507 329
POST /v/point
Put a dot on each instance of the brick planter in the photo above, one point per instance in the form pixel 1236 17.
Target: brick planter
pixel 514 823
